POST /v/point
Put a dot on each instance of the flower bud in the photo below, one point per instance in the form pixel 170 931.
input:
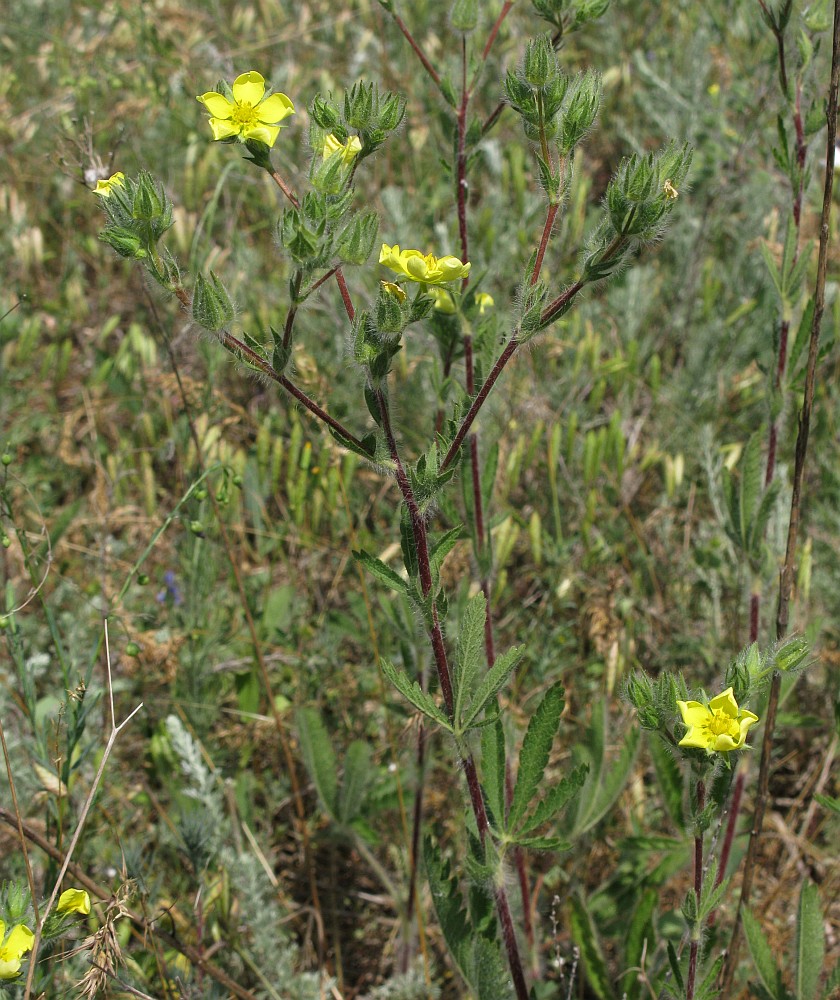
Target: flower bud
pixel 540 65
pixel 212 307
pixel 324 113
pixel 124 241
pixel 464 15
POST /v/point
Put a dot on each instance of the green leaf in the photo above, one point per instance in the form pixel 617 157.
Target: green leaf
pixel 751 485
pixel 368 444
pixel 408 545
pixel 412 692
pixel 762 956
pixel 828 803
pixel 381 571
pixel 810 942
pixel 544 843
pixel 800 268
pixel 357 774
pixel 710 894
pixel 609 788
pixel 586 938
pixel 803 335
pixel 670 777
pixel 470 652
pixel 536 748
pixel 449 906
pixel 771 267
pixel 641 941
pixel 493 769
pixel 556 798
pixel 492 682
pixel 443 546
pixel 318 757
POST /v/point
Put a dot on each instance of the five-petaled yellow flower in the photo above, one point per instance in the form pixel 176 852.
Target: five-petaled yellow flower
pixel 13 948
pixel 73 901
pixel 250 115
pixel 349 150
pixel 721 725
pixel 417 266
pixel 105 187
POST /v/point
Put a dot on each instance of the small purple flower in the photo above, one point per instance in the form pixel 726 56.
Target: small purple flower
pixel 171 590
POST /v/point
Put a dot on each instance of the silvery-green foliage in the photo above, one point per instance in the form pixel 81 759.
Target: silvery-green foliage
pixel 410 985
pixel 206 824
pixel 268 943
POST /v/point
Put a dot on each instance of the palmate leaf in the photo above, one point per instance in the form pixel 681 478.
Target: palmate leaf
pixel 762 956
pixel 604 794
pixel 670 777
pixel 449 907
pixel 412 691
pixel 586 938
pixel 536 747
pixel 557 798
pixel 810 942
pixel 357 774
pixel 319 757
pixel 493 769
pixel 490 685
pixel 640 941
pixel 381 571
pixel 470 659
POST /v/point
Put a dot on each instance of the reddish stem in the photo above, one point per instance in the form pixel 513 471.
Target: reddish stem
pixel 698 885
pixel 427 66
pixel 503 13
pixel 345 295
pixel 478 402
pixel 546 236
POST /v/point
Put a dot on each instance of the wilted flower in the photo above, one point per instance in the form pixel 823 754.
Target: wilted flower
pixel 417 266
pixel 105 187
pixel 250 115
pixel 719 726
pixel 391 289
pixel 13 948
pixel 73 901
pixel 349 150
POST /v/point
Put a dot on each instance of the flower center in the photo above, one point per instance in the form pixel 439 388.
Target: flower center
pixel 244 114
pixel 722 724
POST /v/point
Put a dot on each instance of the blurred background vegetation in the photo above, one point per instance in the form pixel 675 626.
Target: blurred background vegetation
pixel 610 541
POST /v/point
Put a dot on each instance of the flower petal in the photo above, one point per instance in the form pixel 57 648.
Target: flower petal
pixel 73 901
pixel 695 737
pixel 694 713
pixel 264 133
pixel 217 104
pixel 19 941
pixel 274 109
pixel 223 129
pixel 725 702
pixel 724 743
pixel 249 88
pixel 9 968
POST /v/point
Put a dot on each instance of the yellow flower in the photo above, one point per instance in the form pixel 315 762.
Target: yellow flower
pixel 484 301
pixel 670 191
pixel 13 948
pixel 73 901
pixel 427 268
pixel 250 115
pixel 349 150
pixel 105 187
pixel 395 290
pixel 721 725
pixel 443 301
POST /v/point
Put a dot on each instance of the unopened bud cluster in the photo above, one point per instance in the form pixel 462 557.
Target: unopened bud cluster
pixel 557 109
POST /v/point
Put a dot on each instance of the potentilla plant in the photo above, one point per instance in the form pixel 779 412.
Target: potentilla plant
pixel 324 232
